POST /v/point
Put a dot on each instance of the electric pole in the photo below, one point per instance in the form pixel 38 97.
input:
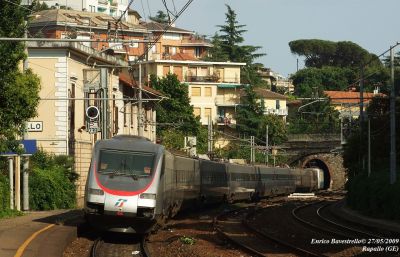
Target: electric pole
pixel 392 120
pixel 139 116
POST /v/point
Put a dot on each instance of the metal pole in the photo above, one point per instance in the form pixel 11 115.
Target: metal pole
pixel 18 182
pixel 25 184
pixel 369 147
pixel 140 124
pixel 104 110
pixel 211 134
pixel 361 118
pixel 11 177
pixel 267 144
pixel 25 174
pixel 392 121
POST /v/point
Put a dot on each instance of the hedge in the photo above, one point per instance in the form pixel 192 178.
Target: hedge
pixel 374 195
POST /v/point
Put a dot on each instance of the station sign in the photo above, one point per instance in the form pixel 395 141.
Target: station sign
pixel 29 146
pixel 34 126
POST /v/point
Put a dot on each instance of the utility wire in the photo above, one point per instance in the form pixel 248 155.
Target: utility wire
pixel 144 12
pixel 148 7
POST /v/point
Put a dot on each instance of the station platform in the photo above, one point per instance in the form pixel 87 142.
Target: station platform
pixel 39 234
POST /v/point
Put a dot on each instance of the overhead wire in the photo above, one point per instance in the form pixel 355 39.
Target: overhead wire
pixel 144 12
pixel 148 7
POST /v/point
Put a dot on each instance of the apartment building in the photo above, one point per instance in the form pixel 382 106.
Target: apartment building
pixel 274 103
pixel 156 41
pixel 72 24
pixel 173 40
pixel 348 102
pixel 275 80
pixel 214 87
pixel 68 87
pixel 114 8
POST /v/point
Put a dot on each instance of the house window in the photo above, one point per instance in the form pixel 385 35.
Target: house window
pixel 197 111
pixel 165 70
pixel 207 112
pixel 208 91
pixel 197 52
pixel 278 105
pixel 196 91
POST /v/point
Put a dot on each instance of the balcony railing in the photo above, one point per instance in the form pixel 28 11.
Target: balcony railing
pixel 281 112
pixel 208 78
pixel 196 42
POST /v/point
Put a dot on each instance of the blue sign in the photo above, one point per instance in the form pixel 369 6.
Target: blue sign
pixel 28 145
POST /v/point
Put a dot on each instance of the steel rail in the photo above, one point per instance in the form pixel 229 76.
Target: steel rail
pixel 319 210
pixel 231 239
pixel 312 225
pixel 294 248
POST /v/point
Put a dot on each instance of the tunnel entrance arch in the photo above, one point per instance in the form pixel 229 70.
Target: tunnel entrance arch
pixel 320 164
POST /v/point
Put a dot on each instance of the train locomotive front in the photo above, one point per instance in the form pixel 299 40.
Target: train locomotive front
pixel 123 183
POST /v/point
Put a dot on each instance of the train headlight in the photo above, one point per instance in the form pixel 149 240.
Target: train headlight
pixel 94 191
pixel 148 196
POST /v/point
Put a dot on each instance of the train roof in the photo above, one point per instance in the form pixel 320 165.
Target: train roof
pixel 129 143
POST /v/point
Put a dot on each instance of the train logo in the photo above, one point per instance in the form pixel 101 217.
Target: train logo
pixel 120 203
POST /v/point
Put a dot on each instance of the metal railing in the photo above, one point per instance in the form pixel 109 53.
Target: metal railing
pixel 207 78
pixel 280 112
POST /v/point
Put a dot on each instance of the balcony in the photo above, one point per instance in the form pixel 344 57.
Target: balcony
pixel 280 112
pixel 196 42
pixel 225 100
pixel 208 78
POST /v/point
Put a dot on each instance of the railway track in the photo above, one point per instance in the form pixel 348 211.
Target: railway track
pixel 234 227
pixel 119 247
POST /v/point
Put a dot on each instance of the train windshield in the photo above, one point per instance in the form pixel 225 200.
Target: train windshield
pixel 125 163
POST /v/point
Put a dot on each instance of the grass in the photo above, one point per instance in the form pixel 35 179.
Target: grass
pixel 4 214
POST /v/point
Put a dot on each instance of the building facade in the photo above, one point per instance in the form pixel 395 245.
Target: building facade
pixel 114 8
pixel 68 88
pixel 150 41
pixel 213 86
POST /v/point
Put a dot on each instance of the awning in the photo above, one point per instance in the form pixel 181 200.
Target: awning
pixel 231 85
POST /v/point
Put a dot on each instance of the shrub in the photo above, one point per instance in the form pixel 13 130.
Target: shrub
pixel 374 196
pixel 4 193
pixel 51 182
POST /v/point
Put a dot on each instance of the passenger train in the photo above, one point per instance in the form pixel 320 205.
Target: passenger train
pixel 134 184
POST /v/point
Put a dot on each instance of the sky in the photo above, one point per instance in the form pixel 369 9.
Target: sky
pixel 272 24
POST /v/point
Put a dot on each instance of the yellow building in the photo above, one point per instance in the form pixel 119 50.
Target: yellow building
pixel 68 80
pixel 214 87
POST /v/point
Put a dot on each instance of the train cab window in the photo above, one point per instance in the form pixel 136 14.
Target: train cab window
pixel 125 163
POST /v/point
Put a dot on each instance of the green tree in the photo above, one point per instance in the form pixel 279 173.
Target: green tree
pixel 18 90
pixel 311 82
pixel 175 109
pixel 160 17
pixel 36 6
pixel 319 53
pixel 228 46
pixel 216 53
